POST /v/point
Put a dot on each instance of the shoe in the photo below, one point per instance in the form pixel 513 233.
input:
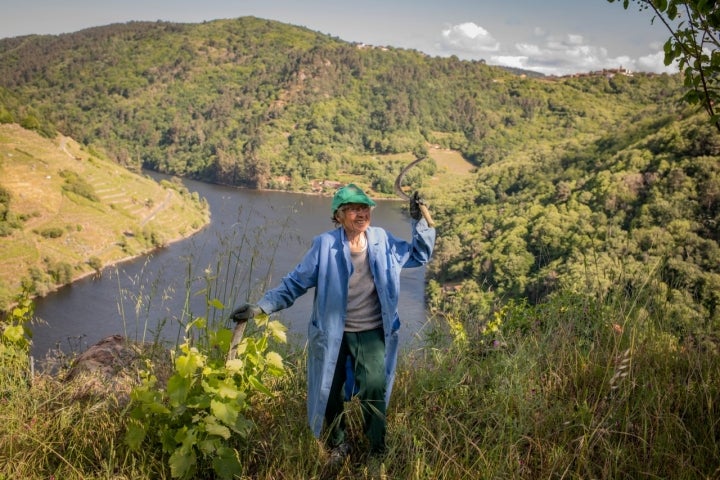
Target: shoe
pixel 335 462
pixel 340 453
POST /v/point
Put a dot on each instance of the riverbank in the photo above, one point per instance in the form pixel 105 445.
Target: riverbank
pixel 120 261
pixel 71 212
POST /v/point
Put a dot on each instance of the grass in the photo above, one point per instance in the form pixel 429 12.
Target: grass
pixel 579 387
pixel 50 431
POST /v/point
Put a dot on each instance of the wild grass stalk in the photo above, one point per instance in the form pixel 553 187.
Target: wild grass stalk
pixel 71 435
pixel 580 386
pixel 50 430
pixel 577 387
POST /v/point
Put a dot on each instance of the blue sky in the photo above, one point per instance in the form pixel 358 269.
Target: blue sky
pixel 554 37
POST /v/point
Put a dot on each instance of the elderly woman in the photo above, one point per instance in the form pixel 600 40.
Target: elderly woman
pixel 353 331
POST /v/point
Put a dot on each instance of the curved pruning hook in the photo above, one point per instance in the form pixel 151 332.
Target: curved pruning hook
pixel 399 191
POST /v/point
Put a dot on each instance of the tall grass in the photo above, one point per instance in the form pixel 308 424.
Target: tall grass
pixel 232 268
pixel 581 386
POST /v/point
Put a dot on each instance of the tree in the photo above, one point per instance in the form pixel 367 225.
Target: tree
pixel 693 43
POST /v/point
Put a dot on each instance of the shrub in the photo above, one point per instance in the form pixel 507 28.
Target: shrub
pixel 78 185
pixel 51 232
pixel 95 263
pixel 5 229
pixel 197 418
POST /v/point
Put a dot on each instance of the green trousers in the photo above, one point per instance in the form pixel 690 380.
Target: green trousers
pixel 367 353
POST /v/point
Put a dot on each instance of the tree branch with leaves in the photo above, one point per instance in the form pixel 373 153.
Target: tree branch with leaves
pixel 693 44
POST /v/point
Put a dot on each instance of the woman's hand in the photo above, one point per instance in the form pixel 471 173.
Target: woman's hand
pixel 245 312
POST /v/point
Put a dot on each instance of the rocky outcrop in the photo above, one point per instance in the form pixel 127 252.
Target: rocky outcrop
pixel 108 358
pixel 110 368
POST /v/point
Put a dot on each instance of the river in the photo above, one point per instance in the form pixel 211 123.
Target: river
pixel 253 237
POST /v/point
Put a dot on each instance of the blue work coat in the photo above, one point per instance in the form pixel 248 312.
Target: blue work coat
pixel 327 267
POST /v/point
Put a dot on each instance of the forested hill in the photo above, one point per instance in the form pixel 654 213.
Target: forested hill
pixel 592 183
pixel 248 101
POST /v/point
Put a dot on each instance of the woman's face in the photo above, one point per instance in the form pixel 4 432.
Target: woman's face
pixel 355 218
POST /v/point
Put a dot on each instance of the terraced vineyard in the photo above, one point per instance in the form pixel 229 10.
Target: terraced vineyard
pixel 73 211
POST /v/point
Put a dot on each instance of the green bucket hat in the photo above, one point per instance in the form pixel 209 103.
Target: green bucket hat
pixel 350 193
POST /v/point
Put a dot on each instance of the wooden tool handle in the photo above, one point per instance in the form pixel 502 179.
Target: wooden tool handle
pixel 426 215
pixel 236 339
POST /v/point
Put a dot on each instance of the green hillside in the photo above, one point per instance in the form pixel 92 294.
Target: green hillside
pixel 594 179
pixel 67 212
pixel 261 103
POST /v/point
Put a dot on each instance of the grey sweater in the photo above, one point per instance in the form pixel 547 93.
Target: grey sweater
pixel 363 308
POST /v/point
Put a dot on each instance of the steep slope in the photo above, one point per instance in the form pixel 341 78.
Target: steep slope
pixel 68 211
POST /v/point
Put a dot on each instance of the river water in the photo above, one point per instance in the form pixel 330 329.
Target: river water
pixel 254 238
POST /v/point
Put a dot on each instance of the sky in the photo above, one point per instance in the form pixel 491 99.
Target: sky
pixel 553 37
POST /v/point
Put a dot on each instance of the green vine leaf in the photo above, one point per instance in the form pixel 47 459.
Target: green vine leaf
pixel 14 333
pixel 214 428
pixel 226 463
pixel 225 412
pixel 189 363
pixel 177 389
pixel 182 464
pixel 215 303
pixel 135 434
pixel 277 330
pixel 202 408
pixel 257 385
pixel 274 363
pixel 228 389
pixel 235 365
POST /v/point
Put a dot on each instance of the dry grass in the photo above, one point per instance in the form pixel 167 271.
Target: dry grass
pixel 556 391
pixel 451 161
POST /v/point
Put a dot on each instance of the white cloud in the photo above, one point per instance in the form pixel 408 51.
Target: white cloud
pixel 468 38
pixel 574 39
pixel 548 54
pixel 559 56
pixel 509 61
pixel 655 62
pixel 528 49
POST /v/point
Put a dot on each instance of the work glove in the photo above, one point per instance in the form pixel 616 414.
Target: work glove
pixel 415 202
pixel 245 312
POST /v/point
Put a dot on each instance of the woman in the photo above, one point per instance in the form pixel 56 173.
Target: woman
pixel 353 331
